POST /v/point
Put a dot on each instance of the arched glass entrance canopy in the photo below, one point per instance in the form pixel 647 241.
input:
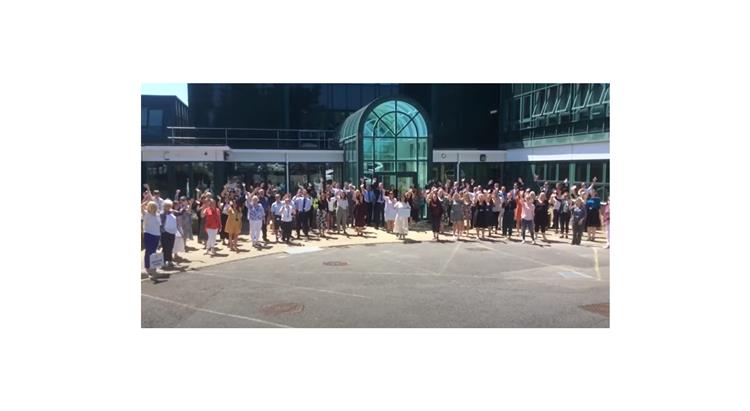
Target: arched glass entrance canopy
pixel 388 139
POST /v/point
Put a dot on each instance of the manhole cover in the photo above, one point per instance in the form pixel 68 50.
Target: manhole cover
pixel 282 308
pixel 477 249
pixel 601 308
pixel 335 263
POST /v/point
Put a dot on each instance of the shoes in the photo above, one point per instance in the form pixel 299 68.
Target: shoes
pixel 533 242
pixel 523 241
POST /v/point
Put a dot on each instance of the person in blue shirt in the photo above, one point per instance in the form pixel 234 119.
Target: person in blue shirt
pixel 255 214
pixel 593 221
pixel 367 195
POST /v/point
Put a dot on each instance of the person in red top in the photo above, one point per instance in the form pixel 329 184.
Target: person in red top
pixel 212 216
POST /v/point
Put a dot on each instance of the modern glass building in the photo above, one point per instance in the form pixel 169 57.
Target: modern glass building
pixel 389 140
pixel 401 134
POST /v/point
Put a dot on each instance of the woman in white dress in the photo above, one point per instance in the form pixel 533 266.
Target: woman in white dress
pixel 390 212
pixel 403 211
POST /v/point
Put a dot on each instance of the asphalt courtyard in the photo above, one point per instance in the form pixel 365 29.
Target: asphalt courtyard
pixel 473 283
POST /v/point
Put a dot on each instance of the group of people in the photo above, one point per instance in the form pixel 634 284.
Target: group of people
pixel 497 210
pixel 329 208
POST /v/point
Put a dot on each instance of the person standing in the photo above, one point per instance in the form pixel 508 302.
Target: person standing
pixel 224 206
pixel 212 216
pixel 378 203
pixel 564 215
pixel 556 204
pixel 360 213
pixel 509 213
pixel 255 215
pixel 593 219
pixel 168 231
pixel 276 212
pixel 302 206
pixel 389 211
pixel 286 213
pixel 234 224
pixel 322 213
pixel 527 217
pixel 151 233
pixel 457 216
pixel 497 209
pixel 541 215
pixel 265 202
pixel 578 220
pixel 605 218
pixel 342 212
pixel 435 212
pixel 367 196
pixel 483 216
pixel 403 213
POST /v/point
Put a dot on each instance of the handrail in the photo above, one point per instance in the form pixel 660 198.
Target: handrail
pixel 251 137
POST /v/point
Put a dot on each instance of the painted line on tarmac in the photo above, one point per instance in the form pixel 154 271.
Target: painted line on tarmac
pixel 453 254
pixel 283 285
pixel 204 310
pixel 596 265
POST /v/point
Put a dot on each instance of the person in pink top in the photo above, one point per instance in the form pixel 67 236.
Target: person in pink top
pixel 527 216
pixel 605 219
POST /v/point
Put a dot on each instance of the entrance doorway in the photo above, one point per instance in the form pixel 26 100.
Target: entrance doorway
pixel 401 181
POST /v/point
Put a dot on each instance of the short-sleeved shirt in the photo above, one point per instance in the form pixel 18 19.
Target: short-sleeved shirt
pixel 276 207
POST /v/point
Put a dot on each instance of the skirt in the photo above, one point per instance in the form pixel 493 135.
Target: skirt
pixel 402 225
pixel 592 219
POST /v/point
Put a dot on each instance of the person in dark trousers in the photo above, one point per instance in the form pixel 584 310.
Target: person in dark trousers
pixel 302 206
pixel 509 213
pixel 435 212
pixel 578 220
pixel 564 215
pixel 264 201
pixel 378 204
pixel 286 213
pixel 367 194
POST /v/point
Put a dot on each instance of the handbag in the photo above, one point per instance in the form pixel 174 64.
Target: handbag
pixel 156 260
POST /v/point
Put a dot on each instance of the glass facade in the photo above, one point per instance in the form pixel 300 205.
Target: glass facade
pixel 577 172
pixel 388 139
pixel 187 176
pixel 555 113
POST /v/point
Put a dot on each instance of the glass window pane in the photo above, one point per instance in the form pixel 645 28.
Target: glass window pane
pixel 564 98
pixel 422 149
pixel 406 149
pixel 551 100
pixel 406 166
pixel 406 108
pixel 154 118
pixel 383 128
pixel 367 148
pixel 401 126
pixel 421 125
pixel 597 92
pixel 580 97
pixel 422 174
pixel 385 107
pixel 144 116
pixel 385 149
pixel 597 170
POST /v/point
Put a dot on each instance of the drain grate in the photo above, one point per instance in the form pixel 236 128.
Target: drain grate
pixel 601 309
pixel 282 308
pixel 335 263
pixel 477 249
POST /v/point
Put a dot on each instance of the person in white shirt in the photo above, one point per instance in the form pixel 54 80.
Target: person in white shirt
pixel 286 214
pixel 169 231
pixel 403 212
pixel 390 211
pixel 151 233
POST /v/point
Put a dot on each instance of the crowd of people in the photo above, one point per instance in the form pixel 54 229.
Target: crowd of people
pixel 465 209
